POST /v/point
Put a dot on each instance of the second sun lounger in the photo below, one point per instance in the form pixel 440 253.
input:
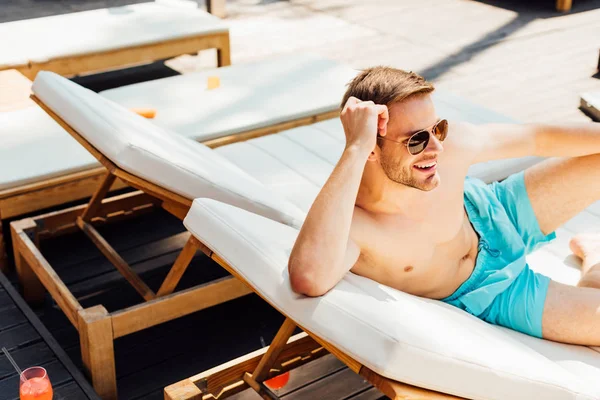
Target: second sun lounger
pixel 42 166
pixel 91 41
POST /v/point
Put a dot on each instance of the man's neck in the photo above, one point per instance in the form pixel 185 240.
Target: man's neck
pixel 380 195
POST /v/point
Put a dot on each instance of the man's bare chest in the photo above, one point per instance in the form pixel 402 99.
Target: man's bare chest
pixel 421 258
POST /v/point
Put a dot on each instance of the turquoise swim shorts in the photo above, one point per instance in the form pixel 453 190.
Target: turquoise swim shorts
pixel 502 289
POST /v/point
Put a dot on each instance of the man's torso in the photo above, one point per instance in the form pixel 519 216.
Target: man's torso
pixel 429 254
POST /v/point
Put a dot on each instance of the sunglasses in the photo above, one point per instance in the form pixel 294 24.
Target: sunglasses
pixel 419 140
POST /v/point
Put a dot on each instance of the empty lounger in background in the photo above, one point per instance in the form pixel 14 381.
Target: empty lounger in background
pixel 108 38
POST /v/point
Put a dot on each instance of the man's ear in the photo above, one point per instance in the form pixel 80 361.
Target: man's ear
pixel 375 154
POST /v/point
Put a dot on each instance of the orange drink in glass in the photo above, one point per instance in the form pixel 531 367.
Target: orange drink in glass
pixel 35 385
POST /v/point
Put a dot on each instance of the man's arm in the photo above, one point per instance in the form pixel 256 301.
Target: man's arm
pixel 497 141
pixel 324 250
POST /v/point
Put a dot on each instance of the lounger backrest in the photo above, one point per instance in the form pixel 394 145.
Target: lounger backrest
pixel 164 158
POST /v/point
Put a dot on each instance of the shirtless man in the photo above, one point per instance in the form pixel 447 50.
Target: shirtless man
pixel 398 208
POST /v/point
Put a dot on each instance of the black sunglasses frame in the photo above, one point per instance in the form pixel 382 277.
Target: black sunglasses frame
pixel 424 142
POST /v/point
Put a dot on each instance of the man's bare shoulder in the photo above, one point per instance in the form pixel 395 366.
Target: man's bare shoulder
pixel 462 144
pixel 363 224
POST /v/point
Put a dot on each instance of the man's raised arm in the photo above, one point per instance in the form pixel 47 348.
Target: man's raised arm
pixel 496 141
pixel 324 250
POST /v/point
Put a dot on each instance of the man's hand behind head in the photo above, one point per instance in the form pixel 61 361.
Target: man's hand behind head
pixel 362 121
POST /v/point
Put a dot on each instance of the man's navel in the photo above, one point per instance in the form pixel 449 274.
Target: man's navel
pixel 408 269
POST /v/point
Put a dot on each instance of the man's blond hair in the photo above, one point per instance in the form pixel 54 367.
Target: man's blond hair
pixel 386 85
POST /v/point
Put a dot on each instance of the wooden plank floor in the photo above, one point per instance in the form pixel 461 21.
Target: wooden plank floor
pixel 148 361
pixel 30 344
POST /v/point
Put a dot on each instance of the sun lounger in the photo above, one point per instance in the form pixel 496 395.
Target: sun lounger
pixel 170 170
pixel 406 346
pixel 42 166
pixel 91 41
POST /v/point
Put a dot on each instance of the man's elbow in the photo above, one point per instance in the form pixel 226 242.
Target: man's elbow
pixel 304 281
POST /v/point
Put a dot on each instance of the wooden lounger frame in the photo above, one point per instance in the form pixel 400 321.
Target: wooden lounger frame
pixel 130 56
pixel 98 328
pixel 285 353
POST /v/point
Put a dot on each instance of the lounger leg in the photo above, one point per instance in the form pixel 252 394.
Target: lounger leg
pixel 223 52
pixel 99 195
pixel 97 351
pixel 181 263
pixel 216 8
pixel 564 5
pixel 33 289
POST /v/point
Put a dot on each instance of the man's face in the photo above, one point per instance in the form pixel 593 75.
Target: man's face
pixel 407 118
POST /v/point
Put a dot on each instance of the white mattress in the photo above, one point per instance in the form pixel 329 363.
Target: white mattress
pixel 33 147
pixel 164 158
pixel 42 39
pixel 419 341
pixel 184 107
pixel 251 95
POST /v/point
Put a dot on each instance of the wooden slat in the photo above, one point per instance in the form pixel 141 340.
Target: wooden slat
pixel 259 387
pixel 10 317
pixel 339 385
pixel 402 391
pixel 133 278
pixel 46 274
pixel 96 62
pixel 99 195
pixel 311 372
pixel 369 394
pixel 243 136
pixel 176 305
pixel 5 300
pixel 113 208
pixel 178 269
pixel 19 336
pixel 227 378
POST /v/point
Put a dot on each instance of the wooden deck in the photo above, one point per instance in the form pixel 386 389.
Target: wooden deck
pixel 148 361
pixel 30 343
pixel 521 58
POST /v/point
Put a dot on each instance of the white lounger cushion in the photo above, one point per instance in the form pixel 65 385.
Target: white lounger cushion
pixel 42 39
pixel 181 105
pixel 250 96
pixel 166 159
pixel 29 132
pixel 33 147
pixel 414 340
